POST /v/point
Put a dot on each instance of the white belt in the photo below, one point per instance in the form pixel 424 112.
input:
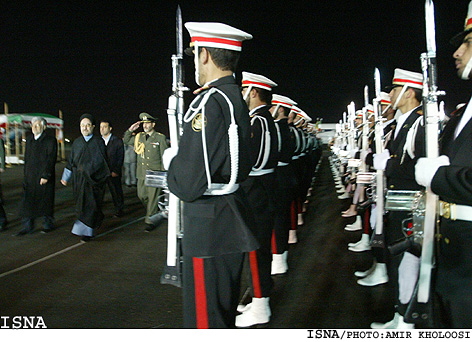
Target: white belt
pixel 220 189
pixel 282 164
pixel 261 172
pixel 455 211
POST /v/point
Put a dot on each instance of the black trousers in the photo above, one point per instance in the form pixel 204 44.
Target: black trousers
pixel 211 289
pixel 260 191
pixel 116 190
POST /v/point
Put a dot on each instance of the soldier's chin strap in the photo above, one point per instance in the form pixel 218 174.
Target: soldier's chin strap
pixel 246 95
pixel 386 108
pixel 405 87
pixel 197 69
pixel 467 70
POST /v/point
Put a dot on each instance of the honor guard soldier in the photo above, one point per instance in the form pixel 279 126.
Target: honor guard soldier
pixel 377 274
pixel 285 194
pixel 260 188
pixel 211 161
pixel 399 166
pixel 450 177
pixel 149 147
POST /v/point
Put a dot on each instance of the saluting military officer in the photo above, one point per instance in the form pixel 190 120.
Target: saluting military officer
pixel 149 147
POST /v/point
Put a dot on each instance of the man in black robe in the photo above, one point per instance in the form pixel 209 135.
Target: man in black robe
pixel 3 216
pixel 88 168
pixel 39 178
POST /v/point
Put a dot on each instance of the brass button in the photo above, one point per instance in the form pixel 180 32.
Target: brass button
pixel 392 186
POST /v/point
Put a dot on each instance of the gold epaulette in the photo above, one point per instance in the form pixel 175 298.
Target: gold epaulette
pixel 139 146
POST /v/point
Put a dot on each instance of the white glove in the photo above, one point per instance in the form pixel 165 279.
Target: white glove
pixel 426 168
pixel 352 153
pixel 365 154
pixel 168 155
pixel 380 160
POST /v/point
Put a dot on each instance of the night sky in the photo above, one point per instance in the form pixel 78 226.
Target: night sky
pixel 112 59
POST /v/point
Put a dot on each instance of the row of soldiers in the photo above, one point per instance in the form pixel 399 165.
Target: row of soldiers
pixel 408 173
pixel 242 169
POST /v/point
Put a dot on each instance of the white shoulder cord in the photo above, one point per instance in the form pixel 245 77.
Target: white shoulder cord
pixel 279 136
pixel 297 138
pixel 409 146
pixel 303 139
pixel 218 189
pixel 264 150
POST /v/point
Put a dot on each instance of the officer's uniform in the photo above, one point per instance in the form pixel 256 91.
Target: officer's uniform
pixel 205 175
pixel 149 152
pixel 400 175
pixel 285 192
pixel 453 184
pixel 260 190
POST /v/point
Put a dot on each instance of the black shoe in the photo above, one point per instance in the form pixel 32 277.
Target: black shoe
pixel 86 238
pixel 47 230
pixel 149 227
pixel 119 213
pixel 23 232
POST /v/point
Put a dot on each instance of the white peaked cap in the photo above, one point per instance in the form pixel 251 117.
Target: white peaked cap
pixel 384 98
pixel 458 38
pixel 412 79
pixel 216 35
pixel 283 101
pixel 258 81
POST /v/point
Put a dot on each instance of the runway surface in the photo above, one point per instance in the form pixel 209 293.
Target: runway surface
pixel 113 280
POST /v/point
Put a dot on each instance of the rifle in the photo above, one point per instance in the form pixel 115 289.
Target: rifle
pixel 172 270
pixel 419 309
pixel 378 239
pixel 365 126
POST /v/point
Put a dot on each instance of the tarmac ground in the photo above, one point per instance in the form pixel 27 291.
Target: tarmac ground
pixel 113 282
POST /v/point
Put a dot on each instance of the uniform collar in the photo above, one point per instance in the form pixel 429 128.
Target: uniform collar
pixel 216 83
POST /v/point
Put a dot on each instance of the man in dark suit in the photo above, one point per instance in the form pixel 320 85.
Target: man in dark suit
pixel 450 177
pixel 115 152
pixel 399 166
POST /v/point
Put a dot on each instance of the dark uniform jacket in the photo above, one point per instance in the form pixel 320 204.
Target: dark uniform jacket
pixel 400 169
pixel 213 225
pixel 453 184
pixel 260 189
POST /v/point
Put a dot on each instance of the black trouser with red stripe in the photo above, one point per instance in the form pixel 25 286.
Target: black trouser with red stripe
pixel 211 289
pixel 260 191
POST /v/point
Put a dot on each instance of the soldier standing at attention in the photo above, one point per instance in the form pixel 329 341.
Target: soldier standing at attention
pixel 149 147
pixel 450 177
pixel 205 173
pixel 260 188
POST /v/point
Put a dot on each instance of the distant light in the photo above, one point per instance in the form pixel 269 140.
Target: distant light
pixel 67 140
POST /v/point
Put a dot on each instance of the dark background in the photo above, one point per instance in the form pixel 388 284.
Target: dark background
pixel 112 59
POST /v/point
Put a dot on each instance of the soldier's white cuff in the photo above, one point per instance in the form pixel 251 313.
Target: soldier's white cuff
pixel 168 155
